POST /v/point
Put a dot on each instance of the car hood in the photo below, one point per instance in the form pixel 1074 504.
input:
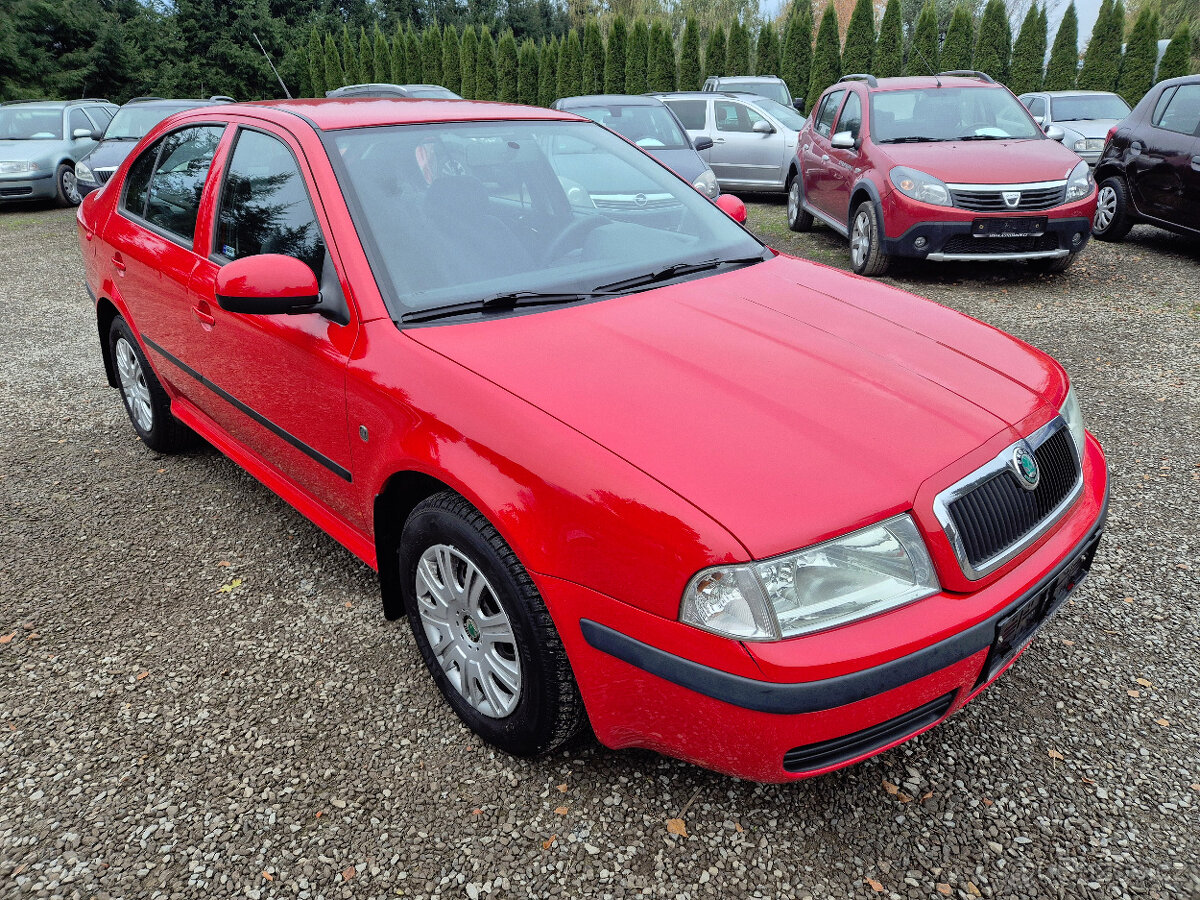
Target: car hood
pixel 684 161
pixel 789 401
pixel 987 162
pixel 1089 128
pixel 109 153
pixel 24 151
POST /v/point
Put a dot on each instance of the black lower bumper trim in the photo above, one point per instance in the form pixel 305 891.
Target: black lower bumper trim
pixel 948 237
pixel 850 746
pixel 815 696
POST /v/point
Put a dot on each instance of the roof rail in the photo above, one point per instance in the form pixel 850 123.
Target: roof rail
pixel 871 80
pixel 969 73
pixel 221 98
pixel 90 100
pixel 143 99
pixel 27 100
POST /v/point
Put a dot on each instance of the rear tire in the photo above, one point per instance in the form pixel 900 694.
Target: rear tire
pixel 1112 220
pixel 147 403
pixel 1061 264
pixel 797 218
pixel 483 631
pixel 866 248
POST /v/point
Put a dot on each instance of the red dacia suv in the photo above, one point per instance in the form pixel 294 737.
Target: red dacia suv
pixel 946 167
pixel 618 463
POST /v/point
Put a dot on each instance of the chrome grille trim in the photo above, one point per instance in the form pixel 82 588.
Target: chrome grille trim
pixel 942 502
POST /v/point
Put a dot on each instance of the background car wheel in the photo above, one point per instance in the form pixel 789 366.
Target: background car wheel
pixel 797 218
pixel 147 403
pixel 68 188
pixel 1061 264
pixel 483 630
pixel 866 251
pixel 1112 221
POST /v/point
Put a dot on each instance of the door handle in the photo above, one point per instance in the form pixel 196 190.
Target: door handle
pixel 205 318
pixel 119 263
pixel 1196 163
pixel 718 140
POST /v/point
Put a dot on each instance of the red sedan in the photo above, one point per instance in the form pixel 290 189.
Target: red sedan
pixel 616 461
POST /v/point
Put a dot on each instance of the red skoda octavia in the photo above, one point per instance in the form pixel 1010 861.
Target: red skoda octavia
pixel 616 461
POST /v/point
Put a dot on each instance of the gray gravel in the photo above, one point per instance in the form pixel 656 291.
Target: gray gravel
pixel 162 734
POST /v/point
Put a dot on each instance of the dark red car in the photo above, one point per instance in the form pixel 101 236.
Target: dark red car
pixel 945 168
pixel 618 463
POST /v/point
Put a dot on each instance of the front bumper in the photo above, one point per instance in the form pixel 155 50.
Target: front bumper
pixel 791 709
pixel 954 242
pixel 23 188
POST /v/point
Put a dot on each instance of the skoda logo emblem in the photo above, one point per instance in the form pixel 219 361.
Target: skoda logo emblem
pixel 1011 198
pixel 1026 467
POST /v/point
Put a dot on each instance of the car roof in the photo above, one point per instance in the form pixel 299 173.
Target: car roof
pixel 1075 93
pixel 336 113
pixel 917 82
pixel 607 100
pixel 58 104
pixel 748 96
pixel 764 78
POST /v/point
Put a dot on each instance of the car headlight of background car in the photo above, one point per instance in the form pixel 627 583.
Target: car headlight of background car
pixel 1089 144
pixel 707 184
pixel 1080 182
pixel 1074 418
pixel 84 173
pixel 12 167
pixel 921 186
pixel 851 577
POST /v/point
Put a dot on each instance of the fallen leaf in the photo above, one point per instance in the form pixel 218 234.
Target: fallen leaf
pixel 925 796
pixel 349 605
pixel 875 885
pixel 1087 780
pixel 223 562
pixel 320 812
pixel 561 811
pixel 563 788
pixel 227 588
pixel 1163 722
pixel 676 826
pixel 477 812
pixel 890 788
pixel 549 842
pixel 1128 599
pixel 987 802
pixel 904 798
pixel 1144 682
pixel 1068 643
pixel 943 888
pixel 1132 693
pixel 142 675
pixel 348 873
pixel 7 638
pixel 1054 754
pixel 737 826
pixel 267 875
pixel 971 889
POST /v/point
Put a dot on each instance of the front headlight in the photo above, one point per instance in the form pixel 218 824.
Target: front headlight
pixel 921 186
pixel 857 575
pixel 1081 145
pixel 17 165
pixel 1080 182
pixel 84 173
pixel 1074 417
pixel 707 184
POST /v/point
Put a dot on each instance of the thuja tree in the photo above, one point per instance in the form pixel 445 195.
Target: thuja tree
pixel 666 67
pixel 547 72
pixel 637 59
pixel 1064 55
pixel 381 57
pixel 1141 55
pixel 506 67
pixel 959 47
pixel 923 51
pixel 737 53
pixel 691 71
pixel 889 49
pixel 431 55
pixel 827 57
pixel 993 49
pixel 366 58
pixel 714 52
pixel 614 59
pixel 334 74
pixel 467 51
pixel 1102 59
pixel 451 60
pixel 859 50
pixel 485 66
pixel 416 60
pixel 527 73
pixel 1028 53
pixel 766 51
pixel 316 63
pixel 797 49
pixel 1175 61
pixel 570 63
pixel 349 59
pixel 592 76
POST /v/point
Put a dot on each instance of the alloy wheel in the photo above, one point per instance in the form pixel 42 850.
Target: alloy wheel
pixel 1106 208
pixel 860 239
pixel 793 201
pixel 468 630
pixel 133 385
pixel 70 185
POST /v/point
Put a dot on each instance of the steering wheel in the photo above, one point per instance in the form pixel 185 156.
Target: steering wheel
pixel 575 232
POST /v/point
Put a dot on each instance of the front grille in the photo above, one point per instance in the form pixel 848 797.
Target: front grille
pixel 851 746
pixel 102 175
pixel 965 243
pixel 993 200
pixel 998 513
pixel 15 191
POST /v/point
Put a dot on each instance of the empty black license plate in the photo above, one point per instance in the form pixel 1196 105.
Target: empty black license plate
pixel 1025 226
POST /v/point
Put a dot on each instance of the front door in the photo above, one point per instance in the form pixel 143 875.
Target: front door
pixel 816 155
pixel 740 155
pixel 844 162
pixel 1164 176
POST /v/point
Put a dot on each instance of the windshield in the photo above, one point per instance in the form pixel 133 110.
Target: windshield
pixel 25 123
pixel 1087 106
pixel 949 114
pixel 773 90
pixel 132 122
pixel 652 127
pixel 436 93
pixel 460 212
pixel 787 115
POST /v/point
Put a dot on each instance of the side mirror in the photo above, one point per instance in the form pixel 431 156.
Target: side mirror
pixel 1055 133
pixel 843 140
pixel 1041 120
pixel 702 142
pixel 798 104
pixel 762 126
pixel 81 133
pixel 96 135
pixel 732 207
pixel 267 285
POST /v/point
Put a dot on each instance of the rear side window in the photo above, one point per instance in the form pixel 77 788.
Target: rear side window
pixel 173 196
pixel 1161 106
pixel 1182 112
pixel 691 112
pixel 829 107
pixel 265 206
pixel 851 118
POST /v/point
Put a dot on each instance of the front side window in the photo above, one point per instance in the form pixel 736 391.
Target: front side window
pixel 77 121
pixel 829 108
pixel 1036 106
pixel 1182 112
pixel 735 117
pixel 173 196
pixel 265 206
pixel 691 112
pixel 949 114
pixel 137 180
pixel 851 117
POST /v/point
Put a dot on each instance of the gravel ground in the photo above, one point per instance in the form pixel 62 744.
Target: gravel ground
pixel 200 698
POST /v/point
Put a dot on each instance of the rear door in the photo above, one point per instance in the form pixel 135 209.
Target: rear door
pixel 1164 171
pixel 741 156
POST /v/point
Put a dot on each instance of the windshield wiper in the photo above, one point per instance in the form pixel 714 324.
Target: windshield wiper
pixel 500 303
pixel 912 139
pixel 677 270
pixel 982 137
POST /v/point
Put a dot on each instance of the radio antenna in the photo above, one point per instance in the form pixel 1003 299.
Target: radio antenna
pixel 286 92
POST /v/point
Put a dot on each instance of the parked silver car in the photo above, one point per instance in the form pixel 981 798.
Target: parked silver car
pixel 770 86
pixel 40 142
pixel 1084 116
pixel 754 138
pixel 386 91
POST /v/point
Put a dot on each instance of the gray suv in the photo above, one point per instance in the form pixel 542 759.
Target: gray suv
pixel 40 143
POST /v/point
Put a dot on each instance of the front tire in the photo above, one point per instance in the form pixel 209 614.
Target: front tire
pixel 483 630
pixel 798 218
pixel 1112 220
pixel 147 403
pixel 66 186
pixel 867 256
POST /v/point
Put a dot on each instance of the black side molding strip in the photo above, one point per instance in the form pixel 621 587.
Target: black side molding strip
pixel 814 696
pixel 258 417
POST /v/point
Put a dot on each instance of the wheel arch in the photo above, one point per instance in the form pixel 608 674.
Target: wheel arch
pixel 106 312
pixel 865 190
pixel 398 497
